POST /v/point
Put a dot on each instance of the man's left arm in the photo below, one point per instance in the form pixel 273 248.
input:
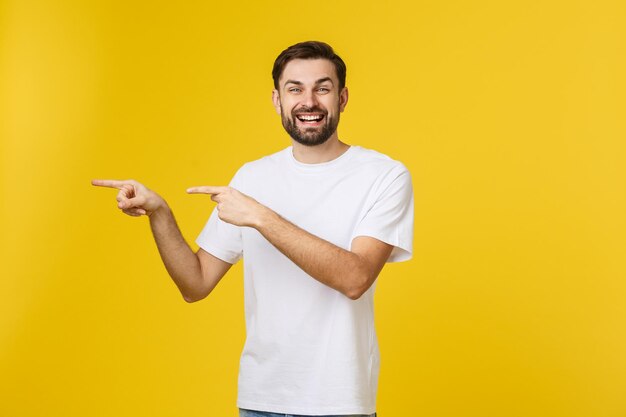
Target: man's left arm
pixel 350 272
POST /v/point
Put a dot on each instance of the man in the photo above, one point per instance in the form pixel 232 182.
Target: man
pixel 315 223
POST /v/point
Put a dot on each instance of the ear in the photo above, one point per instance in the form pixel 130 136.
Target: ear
pixel 343 99
pixel 276 101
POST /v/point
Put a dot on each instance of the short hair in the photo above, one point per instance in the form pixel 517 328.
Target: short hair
pixel 309 50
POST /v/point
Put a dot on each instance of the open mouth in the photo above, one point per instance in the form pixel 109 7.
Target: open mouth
pixel 310 118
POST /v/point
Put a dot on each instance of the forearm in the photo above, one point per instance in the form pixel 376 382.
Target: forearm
pixel 181 262
pixel 350 272
pixel 331 265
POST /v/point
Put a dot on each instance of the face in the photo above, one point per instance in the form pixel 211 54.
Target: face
pixel 309 101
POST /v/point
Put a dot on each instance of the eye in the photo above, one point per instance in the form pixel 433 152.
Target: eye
pixel 294 90
pixel 323 90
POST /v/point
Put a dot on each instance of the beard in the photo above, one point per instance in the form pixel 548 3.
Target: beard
pixel 310 136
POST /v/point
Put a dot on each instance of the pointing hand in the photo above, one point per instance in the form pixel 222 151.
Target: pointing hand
pixel 233 206
pixel 133 198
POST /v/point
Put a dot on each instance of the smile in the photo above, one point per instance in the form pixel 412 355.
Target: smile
pixel 310 118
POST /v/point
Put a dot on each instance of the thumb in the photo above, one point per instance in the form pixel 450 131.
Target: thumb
pixel 132 202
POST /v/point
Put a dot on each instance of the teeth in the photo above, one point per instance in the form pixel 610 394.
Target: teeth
pixel 309 118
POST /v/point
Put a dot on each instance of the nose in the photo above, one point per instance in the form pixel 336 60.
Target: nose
pixel 309 99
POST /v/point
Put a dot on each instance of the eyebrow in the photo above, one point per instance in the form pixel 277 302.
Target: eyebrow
pixel 320 81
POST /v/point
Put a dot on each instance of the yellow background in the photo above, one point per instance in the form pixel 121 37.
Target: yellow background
pixel 510 116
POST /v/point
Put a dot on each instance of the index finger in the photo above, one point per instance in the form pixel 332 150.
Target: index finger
pixel 206 189
pixel 108 183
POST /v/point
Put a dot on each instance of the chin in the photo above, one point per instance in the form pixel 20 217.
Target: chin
pixel 311 143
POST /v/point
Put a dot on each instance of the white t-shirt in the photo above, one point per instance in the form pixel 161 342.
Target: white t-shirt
pixel 309 349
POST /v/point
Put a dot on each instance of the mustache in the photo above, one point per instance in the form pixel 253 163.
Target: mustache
pixel 309 110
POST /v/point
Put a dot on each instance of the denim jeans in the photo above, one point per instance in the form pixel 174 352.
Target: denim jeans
pixel 252 413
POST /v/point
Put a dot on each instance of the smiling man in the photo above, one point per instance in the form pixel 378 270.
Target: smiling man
pixel 314 223
pixel 306 114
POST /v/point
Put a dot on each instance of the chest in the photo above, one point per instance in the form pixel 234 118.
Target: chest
pixel 328 207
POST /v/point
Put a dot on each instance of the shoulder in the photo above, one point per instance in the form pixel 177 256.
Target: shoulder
pixel 379 163
pixel 263 164
pixel 258 171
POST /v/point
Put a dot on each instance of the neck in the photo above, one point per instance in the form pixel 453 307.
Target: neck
pixel 327 151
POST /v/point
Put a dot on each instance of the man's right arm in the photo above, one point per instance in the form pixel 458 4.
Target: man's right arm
pixel 195 274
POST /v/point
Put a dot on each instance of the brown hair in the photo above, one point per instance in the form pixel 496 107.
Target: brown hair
pixel 309 50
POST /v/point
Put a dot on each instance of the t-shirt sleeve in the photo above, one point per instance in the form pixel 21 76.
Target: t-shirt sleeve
pixel 390 216
pixel 220 239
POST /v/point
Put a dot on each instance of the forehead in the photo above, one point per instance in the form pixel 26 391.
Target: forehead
pixel 308 71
